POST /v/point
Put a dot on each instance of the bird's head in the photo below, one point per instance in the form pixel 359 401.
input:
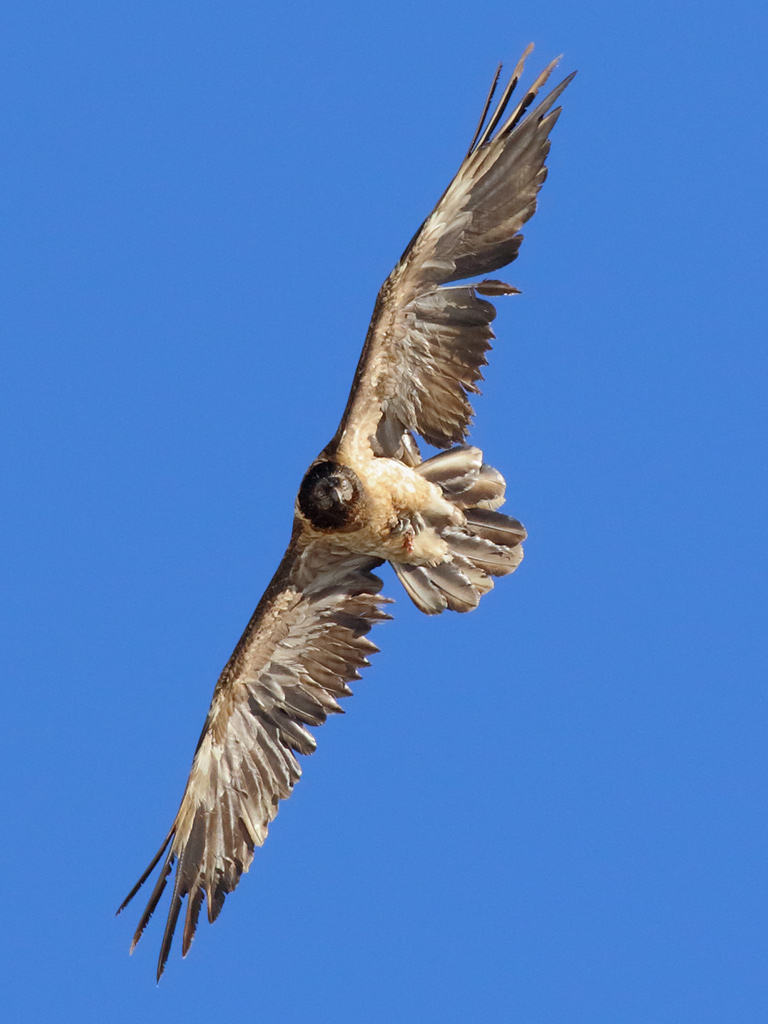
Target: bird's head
pixel 330 495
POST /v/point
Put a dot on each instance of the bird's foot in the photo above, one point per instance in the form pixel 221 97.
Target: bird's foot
pixel 404 528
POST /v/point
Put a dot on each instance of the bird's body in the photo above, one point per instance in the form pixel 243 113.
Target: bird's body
pixel 387 513
pixel 369 498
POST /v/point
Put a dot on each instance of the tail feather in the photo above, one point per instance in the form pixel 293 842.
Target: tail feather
pixel 475 573
pixel 487 491
pixel 487 544
pixel 455 470
pixel 495 527
pixel 435 588
pixel 493 559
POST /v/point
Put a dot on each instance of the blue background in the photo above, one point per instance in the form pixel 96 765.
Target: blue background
pixel 550 810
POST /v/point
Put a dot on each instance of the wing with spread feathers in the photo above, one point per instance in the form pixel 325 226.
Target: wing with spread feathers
pixel 305 643
pixel 428 337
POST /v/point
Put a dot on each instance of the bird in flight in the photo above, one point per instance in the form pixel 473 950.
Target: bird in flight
pixel 369 498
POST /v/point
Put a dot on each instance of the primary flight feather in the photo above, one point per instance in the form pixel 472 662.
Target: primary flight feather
pixel 369 498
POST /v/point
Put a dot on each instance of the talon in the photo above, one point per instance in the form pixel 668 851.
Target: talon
pixel 404 528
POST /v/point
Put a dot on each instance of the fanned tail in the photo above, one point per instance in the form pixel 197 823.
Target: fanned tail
pixel 487 544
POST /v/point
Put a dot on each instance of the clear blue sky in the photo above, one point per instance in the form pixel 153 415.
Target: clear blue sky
pixel 550 810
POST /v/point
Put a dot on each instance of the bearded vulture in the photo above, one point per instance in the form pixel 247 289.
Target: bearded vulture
pixel 369 498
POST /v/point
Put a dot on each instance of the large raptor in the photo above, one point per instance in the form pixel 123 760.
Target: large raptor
pixel 366 499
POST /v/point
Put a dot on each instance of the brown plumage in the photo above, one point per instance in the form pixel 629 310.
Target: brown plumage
pixel 369 498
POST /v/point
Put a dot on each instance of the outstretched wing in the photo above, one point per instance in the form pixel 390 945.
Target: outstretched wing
pixel 305 642
pixel 426 342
